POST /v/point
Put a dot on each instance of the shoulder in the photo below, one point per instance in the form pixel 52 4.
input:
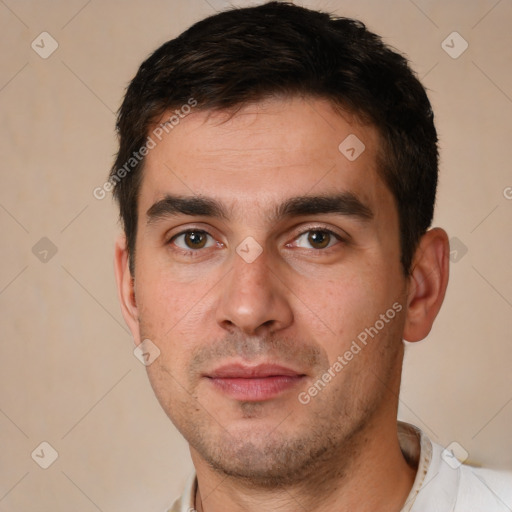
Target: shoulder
pixel 444 484
pixel 484 490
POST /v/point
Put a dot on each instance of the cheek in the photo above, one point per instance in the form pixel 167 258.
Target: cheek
pixel 163 302
pixel 350 307
pixel 177 317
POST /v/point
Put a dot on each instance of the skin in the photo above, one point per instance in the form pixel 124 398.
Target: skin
pixel 299 304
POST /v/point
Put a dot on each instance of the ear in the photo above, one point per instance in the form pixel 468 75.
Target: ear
pixel 427 284
pixel 126 288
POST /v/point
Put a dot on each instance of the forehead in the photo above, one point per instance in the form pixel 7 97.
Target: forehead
pixel 264 153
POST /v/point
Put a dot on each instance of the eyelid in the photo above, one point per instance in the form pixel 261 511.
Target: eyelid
pixel 170 241
pixel 183 233
pixel 187 228
pixel 331 246
pixel 341 234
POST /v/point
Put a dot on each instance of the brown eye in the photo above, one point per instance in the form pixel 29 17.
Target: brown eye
pixel 316 239
pixel 193 240
pixel 319 239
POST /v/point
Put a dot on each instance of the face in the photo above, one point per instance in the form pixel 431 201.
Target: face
pixel 268 275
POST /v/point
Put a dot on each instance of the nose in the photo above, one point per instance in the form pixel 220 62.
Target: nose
pixel 253 299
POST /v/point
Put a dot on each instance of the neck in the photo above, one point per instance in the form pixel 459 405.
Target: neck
pixel 376 476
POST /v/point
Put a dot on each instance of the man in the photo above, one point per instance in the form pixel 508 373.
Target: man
pixel 276 178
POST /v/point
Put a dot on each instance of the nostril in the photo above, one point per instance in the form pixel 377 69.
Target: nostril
pixel 268 323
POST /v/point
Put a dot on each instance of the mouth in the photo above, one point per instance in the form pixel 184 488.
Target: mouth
pixel 254 383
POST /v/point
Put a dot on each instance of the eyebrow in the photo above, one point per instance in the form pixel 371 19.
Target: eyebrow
pixel 345 203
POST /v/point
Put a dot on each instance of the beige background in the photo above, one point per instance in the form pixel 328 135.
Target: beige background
pixel 67 373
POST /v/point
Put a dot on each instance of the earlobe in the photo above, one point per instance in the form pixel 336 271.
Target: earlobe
pixel 126 287
pixel 428 282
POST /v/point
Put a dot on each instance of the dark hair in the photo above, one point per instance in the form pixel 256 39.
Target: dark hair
pixel 244 55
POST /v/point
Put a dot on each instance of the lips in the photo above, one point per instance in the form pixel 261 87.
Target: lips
pixel 254 383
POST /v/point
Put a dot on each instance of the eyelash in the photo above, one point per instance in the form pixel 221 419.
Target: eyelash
pixel 321 229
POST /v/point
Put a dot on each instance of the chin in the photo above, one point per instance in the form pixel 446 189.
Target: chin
pixel 264 458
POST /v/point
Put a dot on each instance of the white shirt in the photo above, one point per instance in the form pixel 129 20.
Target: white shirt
pixel 442 483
